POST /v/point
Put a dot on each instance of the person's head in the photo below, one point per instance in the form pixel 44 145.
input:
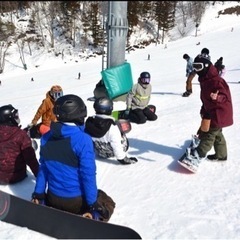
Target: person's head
pixel 56 92
pixel 201 65
pixel 186 56
pixel 205 51
pixel 70 108
pixel 103 105
pixel 144 78
pixel 9 115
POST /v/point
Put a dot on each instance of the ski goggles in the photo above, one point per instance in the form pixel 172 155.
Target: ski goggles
pixel 198 66
pixel 57 95
pixel 15 115
pixel 145 80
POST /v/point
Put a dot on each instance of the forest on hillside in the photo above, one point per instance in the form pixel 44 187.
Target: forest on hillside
pixel 80 25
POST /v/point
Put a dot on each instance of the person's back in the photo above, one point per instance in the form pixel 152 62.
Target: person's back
pixel 67 162
pixel 16 150
pixel 108 139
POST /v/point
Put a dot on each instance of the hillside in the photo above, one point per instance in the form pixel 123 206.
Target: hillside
pixel 155 196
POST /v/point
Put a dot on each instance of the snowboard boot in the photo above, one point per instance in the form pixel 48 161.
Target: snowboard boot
pixel 214 158
pixel 192 159
pixel 187 93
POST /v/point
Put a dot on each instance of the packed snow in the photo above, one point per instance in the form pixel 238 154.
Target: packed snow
pixel 156 196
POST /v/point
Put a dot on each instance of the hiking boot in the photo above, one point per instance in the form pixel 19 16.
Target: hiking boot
pixel 213 157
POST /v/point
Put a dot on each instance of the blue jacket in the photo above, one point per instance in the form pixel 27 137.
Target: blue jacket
pixel 67 163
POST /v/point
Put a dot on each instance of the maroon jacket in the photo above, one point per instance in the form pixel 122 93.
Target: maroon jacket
pixel 220 111
pixel 15 153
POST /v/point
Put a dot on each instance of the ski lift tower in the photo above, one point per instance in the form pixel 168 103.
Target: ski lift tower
pixel 116 30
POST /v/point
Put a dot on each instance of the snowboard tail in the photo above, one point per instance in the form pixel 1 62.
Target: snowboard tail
pixel 56 223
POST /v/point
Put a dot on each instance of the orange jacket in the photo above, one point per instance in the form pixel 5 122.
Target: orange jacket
pixel 45 111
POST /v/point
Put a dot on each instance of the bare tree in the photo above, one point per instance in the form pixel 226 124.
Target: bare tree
pixel 4 45
pixel 20 44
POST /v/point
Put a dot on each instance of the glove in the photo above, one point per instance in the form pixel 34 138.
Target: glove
pixel 98 212
pixel 128 160
pixel 38 198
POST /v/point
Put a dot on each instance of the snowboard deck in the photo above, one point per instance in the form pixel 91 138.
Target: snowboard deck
pixel 186 166
pixel 56 223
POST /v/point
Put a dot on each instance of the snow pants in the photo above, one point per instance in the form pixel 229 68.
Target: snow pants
pixel 140 116
pixel 189 82
pixel 77 205
pixel 213 138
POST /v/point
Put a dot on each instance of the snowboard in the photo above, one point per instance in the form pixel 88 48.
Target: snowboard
pixel 58 224
pixel 193 144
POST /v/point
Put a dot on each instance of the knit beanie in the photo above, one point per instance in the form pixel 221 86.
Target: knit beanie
pixel 205 51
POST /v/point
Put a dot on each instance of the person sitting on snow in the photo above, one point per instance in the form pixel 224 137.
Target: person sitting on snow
pixel 138 98
pixel 108 139
pixel 16 151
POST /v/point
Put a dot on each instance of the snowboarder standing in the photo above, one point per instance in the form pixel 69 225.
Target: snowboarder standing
pixel 216 110
pixel 190 74
pixel 109 141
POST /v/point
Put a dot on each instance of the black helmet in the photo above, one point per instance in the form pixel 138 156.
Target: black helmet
pixel 103 105
pixel 145 78
pixel 145 75
pixel 70 108
pixel 185 56
pixel 9 115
